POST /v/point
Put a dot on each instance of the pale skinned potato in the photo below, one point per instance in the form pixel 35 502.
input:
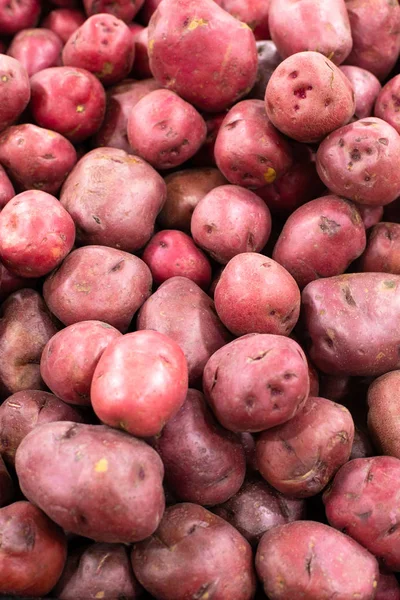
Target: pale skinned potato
pixel 366 88
pixel 383 413
pixel 382 254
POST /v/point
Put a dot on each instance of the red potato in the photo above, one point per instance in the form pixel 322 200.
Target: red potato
pixel 199 550
pixel 388 587
pixel 205 156
pixel 256 382
pixel 100 284
pixel 374 28
pixel 310 560
pixel 230 220
pixel 363 500
pixel 252 12
pixel 23 411
pixel 359 161
pixel 36 49
pixel 184 58
pixel 64 22
pixel 9 282
pixel 33 551
pixel 68 100
pixel 362 445
pixel 6 485
pixel 141 66
pixel 148 9
pixel 103 45
pixel 257 295
pixel 366 88
pixel 18 15
pixel 15 90
pixel 177 129
pixel 382 254
pixel 36 234
pixel 320 239
pixel 92 480
pixel 299 25
pixel 122 9
pixel 308 96
pixel 268 60
pixel 388 103
pixel 371 215
pixel 69 359
pixel 6 188
pixel 203 462
pixel 383 413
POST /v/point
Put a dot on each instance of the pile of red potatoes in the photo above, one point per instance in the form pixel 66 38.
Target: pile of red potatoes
pixel 200 299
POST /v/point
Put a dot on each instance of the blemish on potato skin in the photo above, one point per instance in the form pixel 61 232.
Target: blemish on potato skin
pixel 196 22
pixel 270 175
pixel 101 466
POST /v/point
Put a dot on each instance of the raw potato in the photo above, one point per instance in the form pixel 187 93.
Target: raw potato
pixel 191 53
pixel 310 560
pixel 371 215
pixel 122 9
pixel 366 88
pixel 15 89
pixel 199 550
pixel 388 102
pixel 252 12
pixel 92 480
pixel 141 66
pixel 19 15
pixel 382 254
pixel 6 485
pixel 349 319
pixel 64 22
pixel 36 49
pixel 6 188
pixel 268 60
pixel 388 587
pixel 383 413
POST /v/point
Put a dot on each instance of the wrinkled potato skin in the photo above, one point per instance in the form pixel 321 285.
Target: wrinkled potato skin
pixel 366 88
pixel 382 254
pixel 15 91
pixel 383 413
pixel 36 49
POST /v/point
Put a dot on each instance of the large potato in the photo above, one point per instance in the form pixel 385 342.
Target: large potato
pixel 384 413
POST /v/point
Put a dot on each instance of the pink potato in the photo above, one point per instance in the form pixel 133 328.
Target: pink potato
pixel 36 158
pixel 366 88
pixel 308 96
pixel 103 45
pixel 36 234
pixel 230 220
pixel 299 25
pixel 388 587
pixel 252 12
pixel 203 462
pixel 249 151
pixel 374 28
pixel 387 105
pixel 141 66
pixel 177 129
pixel 191 53
pixel 363 500
pixel 6 485
pixel 359 161
pixel 89 196
pixel 320 239
pixel 36 49
pixel 172 253
pixel 382 254
pixel 15 90
pixel 140 382
pixel 69 359
pixel 68 100
pixel 100 284
pixel 268 60
pixel 25 410
pixel 312 561
pixel 383 413
pixel 18 15
pixel 201 551
pixel 257 295
pixel 183 312
pixel 121 9
pixel 64 22
pixel 256 382
pixel 33 551
pixel 371 215
pixel 6 188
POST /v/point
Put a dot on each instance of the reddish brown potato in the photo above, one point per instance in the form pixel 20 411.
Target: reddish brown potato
pixel 183 312
pixel 69 359
pixel 19 15
pixel 122 9
pixel 115 480
pixel 23 411
pixel 36 49
pixel 383 413
pixel 256 295
pixel 371 215
pixel 100 284
pixel 310 560
pixel 256 382
pixel 141 66
pixel 64 22
pixel 382 254
pixel 6 188
pixel 89 197
pixel 15 89
pixel 209 556
pixel 33 551
pixel 366 88
pixel 6 485
pixel 268 60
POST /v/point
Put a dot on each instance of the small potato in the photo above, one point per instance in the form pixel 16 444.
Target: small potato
pixel 6 485
pixel 256 382
pixel 64 22
pixel 141 66
pixel 140 382
pixel 165 130
pixel 89 196
pixel 203 462
pixel 331 225
pixel 69 359
pixel 183 312
pixel 371 215
pixel 308 96
pixel 103 45
pixel 33 551
pixel 268 60
pixel 382 254
pixel 252 12
pixel 92 480
pixel 301 456
pixel 256 295
pixel 312 561
pixel 349 319
pixel 209 557
pixel 122 9
pixel 19 15
pixel 230 220
pixel 388 103
pixel 363 500
pixel 36 158
pixel 383 413
pixel 249 151
pixel 23 411
pixel 15 89
pixel 6 188
pixel 359 161
pixel 366 88
pixel 36 49
pixel 100 284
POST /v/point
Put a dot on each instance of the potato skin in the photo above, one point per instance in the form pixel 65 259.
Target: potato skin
pixel 209 556
pixel 310 560
pixel 92 480
pixel 33 551
pixel 388 587
pixel 36 49
pixel 256 382
pixel 20 16
pixel 364 500
pixel 15 90
pixel 349 319
pixel 366 88
pixel 252 12
pixel 387 103
pixel 383 413
pixel 382 254
pixel 64 22
pixel 182 33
